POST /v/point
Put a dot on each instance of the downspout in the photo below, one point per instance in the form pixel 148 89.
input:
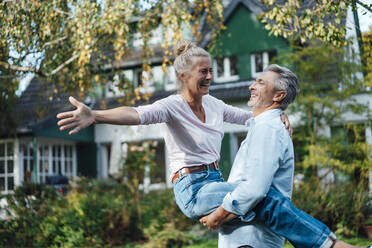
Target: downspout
pixel 359 34
pixel 34 173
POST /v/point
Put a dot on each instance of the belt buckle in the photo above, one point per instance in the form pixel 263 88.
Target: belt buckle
pixel 183 170
pixel 215 163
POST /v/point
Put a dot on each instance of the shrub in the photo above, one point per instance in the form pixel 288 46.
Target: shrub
pixel 343 207
pixel 94 213
pixel 29 205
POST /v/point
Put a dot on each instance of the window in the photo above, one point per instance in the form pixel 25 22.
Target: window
pixel 260 60
pixel 156 79
pixel 27 153
pixel 225 69
pixel 156 37
pixel 55 160
pixel 6 166
pixel 170 81
pixel 113 88
pixel 138 77
pixel 157 173
pixel 149 81
pixel 149 177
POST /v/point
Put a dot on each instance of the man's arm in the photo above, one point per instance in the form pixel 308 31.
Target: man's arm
pixel 261 163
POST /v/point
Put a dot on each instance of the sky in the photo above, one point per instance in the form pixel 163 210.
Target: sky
pixel 365 21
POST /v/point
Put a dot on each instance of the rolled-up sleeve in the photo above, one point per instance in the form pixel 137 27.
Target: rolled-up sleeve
pixel 262 161
pixel 153 113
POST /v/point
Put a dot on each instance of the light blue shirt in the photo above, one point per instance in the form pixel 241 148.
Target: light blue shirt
pixel 264 158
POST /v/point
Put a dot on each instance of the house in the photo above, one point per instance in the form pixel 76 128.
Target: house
pixel 40 149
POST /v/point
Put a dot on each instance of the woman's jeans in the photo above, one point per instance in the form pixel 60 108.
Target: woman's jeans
pixel 198 194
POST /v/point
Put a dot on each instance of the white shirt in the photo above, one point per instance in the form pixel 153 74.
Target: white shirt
pixel 189 141
pixel 265 158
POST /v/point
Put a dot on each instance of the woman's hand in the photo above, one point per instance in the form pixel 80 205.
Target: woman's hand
pixel 285 120
pixel 78 119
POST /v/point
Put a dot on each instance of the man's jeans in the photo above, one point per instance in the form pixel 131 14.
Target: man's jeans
pixel 198 194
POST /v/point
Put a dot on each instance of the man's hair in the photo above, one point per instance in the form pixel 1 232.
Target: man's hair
pixel 286 81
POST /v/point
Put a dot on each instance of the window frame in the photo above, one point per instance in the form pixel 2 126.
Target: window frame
pixel 226 77
pixel 7 175
pixel 53 169
pixel 265 61
pixel 42 173
pixel 148 183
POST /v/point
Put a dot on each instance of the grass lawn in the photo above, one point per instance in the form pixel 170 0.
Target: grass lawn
pixel 213 243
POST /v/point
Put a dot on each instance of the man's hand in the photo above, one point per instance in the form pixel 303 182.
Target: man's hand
pixel 285 120
pixel 78 119
pixel 216 218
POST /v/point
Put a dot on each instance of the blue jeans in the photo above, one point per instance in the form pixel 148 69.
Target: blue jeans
pixel 198 194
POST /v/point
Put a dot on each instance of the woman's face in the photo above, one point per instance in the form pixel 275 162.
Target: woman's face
pixel 198 78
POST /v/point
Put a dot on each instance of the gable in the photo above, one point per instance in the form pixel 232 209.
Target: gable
pixel 245 35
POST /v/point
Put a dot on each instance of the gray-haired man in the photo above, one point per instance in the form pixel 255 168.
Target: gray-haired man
pixel 266 159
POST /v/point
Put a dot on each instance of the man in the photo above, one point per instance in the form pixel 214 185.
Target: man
pixel 265 158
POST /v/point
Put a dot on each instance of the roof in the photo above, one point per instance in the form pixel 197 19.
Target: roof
pixel 134 59
pixel 36 110
pixel 257 7
pixel 229 92
pixel 38 103
pixel 254 6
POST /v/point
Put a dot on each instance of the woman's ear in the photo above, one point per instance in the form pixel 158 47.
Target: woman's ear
pixel 181 76
pixel 279 95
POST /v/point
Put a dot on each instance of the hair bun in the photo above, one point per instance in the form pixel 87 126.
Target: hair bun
pixel 182 47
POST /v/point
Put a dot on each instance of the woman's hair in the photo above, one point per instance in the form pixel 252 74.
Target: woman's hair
pixel 185 50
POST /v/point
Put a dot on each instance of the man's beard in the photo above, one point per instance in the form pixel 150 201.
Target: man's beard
pixel 257 104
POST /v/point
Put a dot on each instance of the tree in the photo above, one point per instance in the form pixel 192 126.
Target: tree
pixel 78 42
pixel 367 57
pixel 329 82
pixel 8 97
pixel 309 19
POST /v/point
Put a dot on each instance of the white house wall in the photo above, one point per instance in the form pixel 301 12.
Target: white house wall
pixel 365 99
pixel 369 141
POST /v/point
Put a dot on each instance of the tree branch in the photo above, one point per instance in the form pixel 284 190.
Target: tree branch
pixel 63 12
pixel 8 76
pixel 69 61
pixel 364 5
pixel 53 42
pixel 31 69
pixel 19 68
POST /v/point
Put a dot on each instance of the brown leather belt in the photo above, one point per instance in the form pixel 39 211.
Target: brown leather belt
pixel 192 169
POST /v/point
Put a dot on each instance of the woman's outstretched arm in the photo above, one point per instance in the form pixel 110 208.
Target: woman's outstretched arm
pixel 83 117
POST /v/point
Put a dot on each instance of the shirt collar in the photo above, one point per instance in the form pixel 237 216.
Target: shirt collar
pixel 264 116
pixel 268 114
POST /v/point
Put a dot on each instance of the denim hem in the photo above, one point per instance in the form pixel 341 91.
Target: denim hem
pixel 329 241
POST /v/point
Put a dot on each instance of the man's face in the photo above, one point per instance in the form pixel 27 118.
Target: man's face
pixel 262 91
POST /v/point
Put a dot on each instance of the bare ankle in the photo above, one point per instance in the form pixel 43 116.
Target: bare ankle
pixel 341 244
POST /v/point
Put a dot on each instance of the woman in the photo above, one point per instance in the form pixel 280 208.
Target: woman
pixel 194 132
